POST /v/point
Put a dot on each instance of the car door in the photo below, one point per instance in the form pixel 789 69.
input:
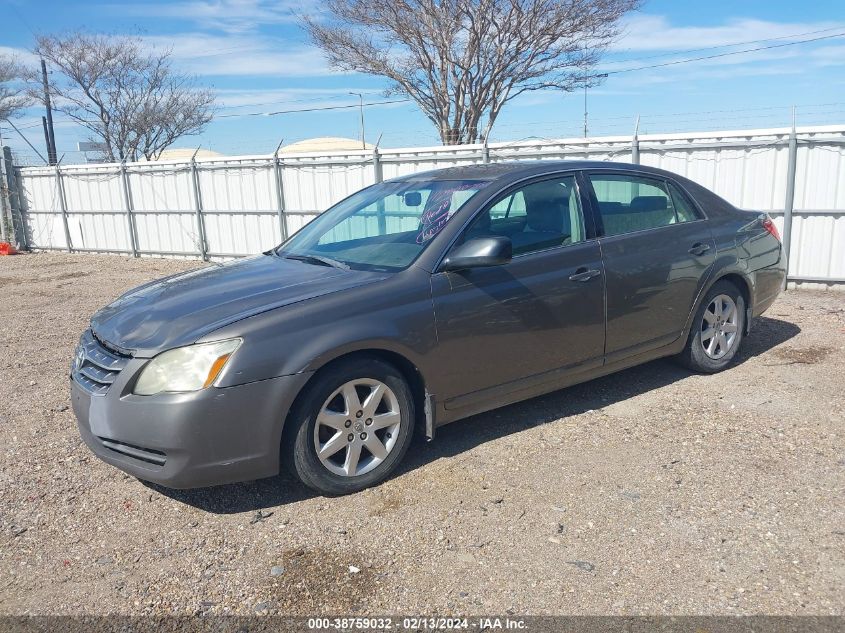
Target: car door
pixel 542 311
pixel 658 252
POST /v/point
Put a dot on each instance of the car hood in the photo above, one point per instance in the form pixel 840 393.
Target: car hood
pixel 180 309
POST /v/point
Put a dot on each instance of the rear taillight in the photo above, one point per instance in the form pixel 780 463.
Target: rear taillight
pixel 771 227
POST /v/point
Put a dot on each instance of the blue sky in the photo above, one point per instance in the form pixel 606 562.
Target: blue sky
pixel 258 60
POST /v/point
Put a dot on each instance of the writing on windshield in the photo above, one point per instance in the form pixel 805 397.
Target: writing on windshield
pixel 383 227
pixel 442 205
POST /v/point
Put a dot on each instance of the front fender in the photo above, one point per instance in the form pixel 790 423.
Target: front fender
pixel 393 315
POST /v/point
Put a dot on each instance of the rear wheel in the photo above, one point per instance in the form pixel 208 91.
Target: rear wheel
pixel 717 330
pixel 352 427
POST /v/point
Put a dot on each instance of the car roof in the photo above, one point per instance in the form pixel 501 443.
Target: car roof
pixel 515 170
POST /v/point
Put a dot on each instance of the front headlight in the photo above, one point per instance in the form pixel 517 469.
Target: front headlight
pixel 188 368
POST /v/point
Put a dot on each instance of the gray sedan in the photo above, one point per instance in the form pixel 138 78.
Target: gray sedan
pixel 411 304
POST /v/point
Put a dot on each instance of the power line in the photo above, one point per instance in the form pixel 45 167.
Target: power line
pixel 277 112
pixel 610 72
pixel 25 127
pixel 324 97
pixel 222 51
pixel 317 109
pixel 750 112
pixel 23 20
pixel 705 57
pixel 745 43
pixel 26 139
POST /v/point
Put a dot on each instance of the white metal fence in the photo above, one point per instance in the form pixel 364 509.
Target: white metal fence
pixel 233 206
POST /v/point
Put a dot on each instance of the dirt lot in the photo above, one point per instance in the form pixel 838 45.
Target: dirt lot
pixel 651 491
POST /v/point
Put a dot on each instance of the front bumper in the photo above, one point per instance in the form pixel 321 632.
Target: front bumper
pixel 189 440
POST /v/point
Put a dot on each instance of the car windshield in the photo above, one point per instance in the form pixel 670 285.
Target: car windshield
pixel 384 227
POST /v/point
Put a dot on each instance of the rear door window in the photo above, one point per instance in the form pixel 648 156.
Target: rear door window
pixel 630 203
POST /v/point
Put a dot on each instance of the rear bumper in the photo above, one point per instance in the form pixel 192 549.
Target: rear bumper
pixel 190 440
pixel 768 283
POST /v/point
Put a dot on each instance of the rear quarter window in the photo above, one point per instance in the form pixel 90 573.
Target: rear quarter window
pixel 684 208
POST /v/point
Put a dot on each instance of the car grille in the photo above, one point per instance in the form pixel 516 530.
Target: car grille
pixel 95 366
pixel 144 454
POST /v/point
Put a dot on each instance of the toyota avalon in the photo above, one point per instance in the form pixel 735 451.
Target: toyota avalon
pixel 412 304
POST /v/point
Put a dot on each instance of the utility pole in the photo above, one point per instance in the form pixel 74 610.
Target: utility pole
pixel 603 75
pixel 51 135
pixel 585 109
pixel 3 194
pixel 46 135
pixel 789 203
pixel 361 106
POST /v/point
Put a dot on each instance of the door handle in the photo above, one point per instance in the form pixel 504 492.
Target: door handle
pixel 584 274
pixel 699 249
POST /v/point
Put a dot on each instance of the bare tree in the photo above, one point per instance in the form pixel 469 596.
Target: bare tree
pixel 463 60
pixel 129 98
pixel 13 98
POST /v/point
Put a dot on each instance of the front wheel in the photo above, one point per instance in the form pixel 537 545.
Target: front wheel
pixel 717 329
pixel 352 427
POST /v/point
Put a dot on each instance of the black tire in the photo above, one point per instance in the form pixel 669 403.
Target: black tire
pixel 299 451
pixel 694 355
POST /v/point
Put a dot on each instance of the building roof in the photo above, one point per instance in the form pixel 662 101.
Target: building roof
pixel 185 153
pixel 324 144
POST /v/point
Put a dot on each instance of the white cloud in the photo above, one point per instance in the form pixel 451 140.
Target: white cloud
pixel 678 64
pixel 235 55
pixel 292 98
pixel 21 54
pixel 829 55
pixel 656 33
pixel 231 16
pixel 227 54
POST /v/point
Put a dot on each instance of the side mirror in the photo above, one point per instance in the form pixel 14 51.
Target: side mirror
pixel 479 253
pixel 412 198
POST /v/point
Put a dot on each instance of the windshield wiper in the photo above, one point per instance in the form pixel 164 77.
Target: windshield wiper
pixel 319 260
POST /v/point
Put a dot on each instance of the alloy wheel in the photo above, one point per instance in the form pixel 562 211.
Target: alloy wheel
pixel 357 427
pixel 719 326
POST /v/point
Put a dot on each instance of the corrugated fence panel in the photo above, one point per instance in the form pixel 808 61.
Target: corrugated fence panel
pixel 240 205
pixel 818 228
pixel 311 186
pixel 314 188
pixel 46 231
pixel 87 192
pixel 818 246
pixel 233 234
pixel 751 179
pixel 99 231
pixel 162 190
pixel 820 177
pixel 164 208
pixel 240 195
pixel 42 211
pixel 607 149
pixel 403 162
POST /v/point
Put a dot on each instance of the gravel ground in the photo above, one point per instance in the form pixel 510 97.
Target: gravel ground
pixel 649 492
